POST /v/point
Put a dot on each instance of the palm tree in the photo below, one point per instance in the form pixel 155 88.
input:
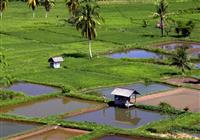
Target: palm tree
pixel 48 4
pixel 72 5
pixel 87 20
pixel 33 4
pixel 161 11
pixel 180 59
pixel 3 6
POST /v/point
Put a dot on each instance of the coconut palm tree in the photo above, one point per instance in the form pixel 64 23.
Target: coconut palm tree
pixel 87 20
pixel 48 4
pixel 33 4
pixel 180 59
pixel 3 6
pixel 161 12
pixel 72 5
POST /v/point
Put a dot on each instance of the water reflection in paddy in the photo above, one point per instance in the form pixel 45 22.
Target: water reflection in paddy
pixel 136 54
pixel 140 87
pixel 119 117
pixel 53 106
pixel 194 49
pixel 32 89
pixel 198 66
pixel 13 127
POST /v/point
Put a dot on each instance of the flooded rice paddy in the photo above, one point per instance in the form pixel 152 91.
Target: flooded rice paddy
pixel 32 89
pixel 119 117
pixel 14 127
pixel 136 54
pixel 140 87
pixel 194 48
pixel 52 106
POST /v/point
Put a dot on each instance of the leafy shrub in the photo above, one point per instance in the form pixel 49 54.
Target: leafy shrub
pixel 184 29
pixel 166 108
pixel 5 95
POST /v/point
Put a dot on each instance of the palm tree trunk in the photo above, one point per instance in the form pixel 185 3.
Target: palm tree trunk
pixel 1 15
pixel 46 16
pixel 33 14
pixel 161 27
pixel 90 47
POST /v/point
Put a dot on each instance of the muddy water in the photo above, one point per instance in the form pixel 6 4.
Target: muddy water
pixel 118 117
pixel 57 134
pixel 194 49
pixel 173 46
pixel 136 54
pixel 32 89
pixel 12 127
pixel 141 88
pixel 114 137
pixel 53 106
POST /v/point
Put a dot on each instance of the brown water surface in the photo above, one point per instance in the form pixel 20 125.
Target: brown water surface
pixel 8 128
pixel 54 134
pixel 52 106
pixel 32 89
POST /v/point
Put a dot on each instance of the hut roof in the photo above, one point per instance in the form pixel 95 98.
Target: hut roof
pixel 124 92
pixel 56 59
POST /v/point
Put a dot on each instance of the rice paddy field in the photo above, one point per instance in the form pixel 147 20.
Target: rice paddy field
pixel 42 101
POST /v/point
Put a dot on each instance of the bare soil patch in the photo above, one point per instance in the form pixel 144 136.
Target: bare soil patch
pixel 178 98
pixel 185 81
pixel 51 133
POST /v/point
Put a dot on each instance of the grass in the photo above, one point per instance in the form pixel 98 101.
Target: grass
pixel 29 43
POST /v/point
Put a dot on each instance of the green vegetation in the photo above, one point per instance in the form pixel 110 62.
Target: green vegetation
pixel 3 6
pixel 128 25
pixel 161 12
pixel 9 95
pixel 181 59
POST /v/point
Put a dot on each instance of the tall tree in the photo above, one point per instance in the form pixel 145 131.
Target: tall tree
pixel 87 20
pixel 72 5
pixel 33 4
pixel 161 11
pixel 48 4
pixel 3 6
pixel 180 59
